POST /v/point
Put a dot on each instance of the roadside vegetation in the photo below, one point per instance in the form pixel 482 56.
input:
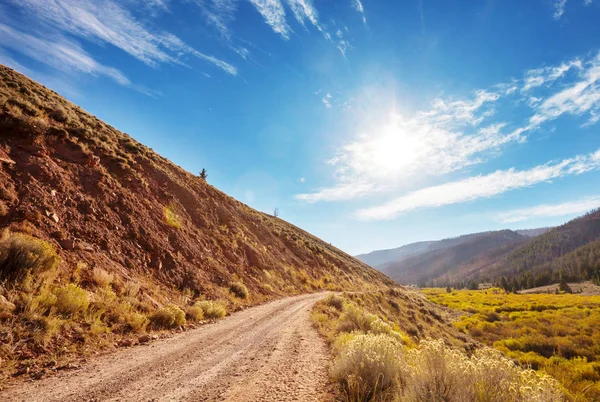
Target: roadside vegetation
pixel 375 360
pixel 557 334
pixel 44 308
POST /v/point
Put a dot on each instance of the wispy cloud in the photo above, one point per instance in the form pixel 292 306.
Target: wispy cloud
pixel 108 22
pixel 304 11
pixel 58 53
pixel 358 6
pixel 274 14
pixel 547 75
pixel 549 210
pixel 579 98
pixel 483 186
pixel 559 8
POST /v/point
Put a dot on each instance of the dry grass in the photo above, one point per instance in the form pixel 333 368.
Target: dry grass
pixel 194 313
pixel 335 301
pixel 24 257
pixel 70 300
pixel 102 277
pixel 239 289
pixel 211 309
pixel 355 319
pixel 167 317
pixel 377 362
pixel 368 368
pixel 557 334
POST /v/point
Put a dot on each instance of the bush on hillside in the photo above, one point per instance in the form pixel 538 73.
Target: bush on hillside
pixel 335 301
pixel 70 300
pixel 212 310
pixel 102 277
pixel 22 256
pixel 355 319
pixel 239 289
pixel 194 313
pixel 167 317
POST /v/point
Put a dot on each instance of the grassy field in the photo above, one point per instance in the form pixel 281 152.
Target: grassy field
pixel 555 333
pixel 376 359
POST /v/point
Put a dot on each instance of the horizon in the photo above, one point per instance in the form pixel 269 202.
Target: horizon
pixel 370 125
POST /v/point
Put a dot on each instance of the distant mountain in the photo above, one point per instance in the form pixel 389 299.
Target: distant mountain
pixel 447 261
pixel 380 258
pixel 513 259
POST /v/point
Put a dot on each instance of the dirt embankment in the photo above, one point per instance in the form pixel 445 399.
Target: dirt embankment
pixel 266 353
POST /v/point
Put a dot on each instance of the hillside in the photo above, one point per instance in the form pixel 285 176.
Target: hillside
pixel 380 258
pixel 103 239
pixel 515 260
pixel 432 265
pixel 570 251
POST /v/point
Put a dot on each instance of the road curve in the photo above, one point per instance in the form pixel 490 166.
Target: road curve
pixel 267 353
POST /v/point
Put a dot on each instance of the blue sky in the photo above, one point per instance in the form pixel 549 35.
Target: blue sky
pixel 369 123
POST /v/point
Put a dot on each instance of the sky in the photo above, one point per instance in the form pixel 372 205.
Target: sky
pixel 369 123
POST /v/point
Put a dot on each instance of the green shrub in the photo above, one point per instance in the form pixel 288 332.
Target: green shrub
pixel 211 309
pixel 22 256
pixel 42 303
pixel 136 322
pixel 71 299
pixel 195 313
pixel 168 317
pixel 239 289
pixel 171 217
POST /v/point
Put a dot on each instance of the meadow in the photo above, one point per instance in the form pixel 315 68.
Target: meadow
pixel 376 359
pixel 558 334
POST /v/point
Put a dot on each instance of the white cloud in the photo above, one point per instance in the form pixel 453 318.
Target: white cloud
pixel 446 138
pixel 540 76
pixel 58 53
pixel 579 98
pixel 358 6
pixel 303 10
pixel 107 22
pixel 559 8
pixel 274 15
pixel 578 207
pixel 302 180
pixel 483 186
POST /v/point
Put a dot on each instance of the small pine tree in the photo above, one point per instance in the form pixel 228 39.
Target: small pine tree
pixel 563 286
pixel 203 174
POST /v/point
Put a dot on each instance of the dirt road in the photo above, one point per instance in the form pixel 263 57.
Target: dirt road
pixel 266 353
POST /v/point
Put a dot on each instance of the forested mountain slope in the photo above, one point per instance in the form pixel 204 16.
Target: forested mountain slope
pixel 427 267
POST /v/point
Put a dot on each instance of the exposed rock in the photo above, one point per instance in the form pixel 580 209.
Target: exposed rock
pixel 67 244
pixel 125 343
pixel 52 215
pixel 144 338
pixel 83 246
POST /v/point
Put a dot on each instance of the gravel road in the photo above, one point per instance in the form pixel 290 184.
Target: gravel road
pixel 267 353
